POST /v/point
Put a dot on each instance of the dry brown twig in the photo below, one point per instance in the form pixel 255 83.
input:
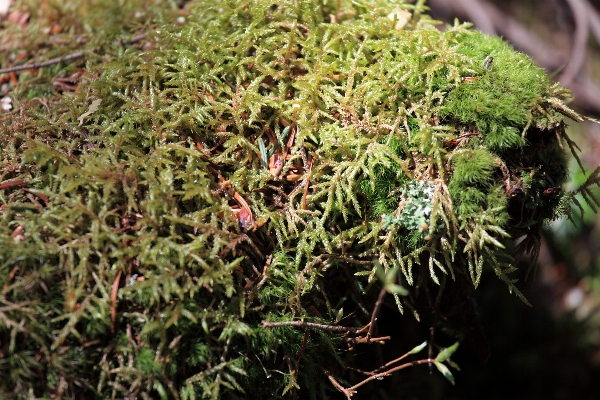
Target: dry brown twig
pixel 113 298
pixel 37 65
pixel 304 324
pixel 68 57
pixel 350 391
pixel 379 373
pixel 375 314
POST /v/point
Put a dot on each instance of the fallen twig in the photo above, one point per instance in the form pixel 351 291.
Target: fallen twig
pixel 52 61
pixel 375 312
pixel 303 324
pixel 349 392
pixel 56 60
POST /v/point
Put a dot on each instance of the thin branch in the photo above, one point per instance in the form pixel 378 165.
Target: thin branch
pixel 52 61
pixel 113 302
pixel 349 392
pixel 350 260
pixel 303 324
pixel 218 378
pixel 339 387
pixel 387 365
pixel 264 273
pixel 302 347
pixel 305 194
pixel 72 56
pixel 375 313
pixel 585 89
pixel 580 41
pixel 13 183
pixel 361 339
pixel 594 20
pixel 390 371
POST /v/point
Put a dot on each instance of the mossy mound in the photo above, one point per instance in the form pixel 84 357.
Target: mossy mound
pixel 258 162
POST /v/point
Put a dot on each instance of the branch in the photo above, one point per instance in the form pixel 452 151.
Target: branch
pixel 349 392
pixel 580 41
pixel 390 371
pixel 303 324
pixel 375 313
pixel 52 61
pixel 72 56
pixel 585 89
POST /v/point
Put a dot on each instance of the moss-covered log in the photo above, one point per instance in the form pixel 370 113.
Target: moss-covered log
pixel 221 207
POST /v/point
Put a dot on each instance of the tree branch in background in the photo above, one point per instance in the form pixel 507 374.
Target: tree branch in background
pixel 580 40
pixel 585 89
pixel 37 65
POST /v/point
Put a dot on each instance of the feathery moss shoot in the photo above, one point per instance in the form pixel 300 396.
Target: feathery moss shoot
pixel 203 170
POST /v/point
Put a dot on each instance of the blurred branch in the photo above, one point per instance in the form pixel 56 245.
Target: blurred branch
pixel 489 18
pixel 580 40
pixel 477 14
pixel 37 65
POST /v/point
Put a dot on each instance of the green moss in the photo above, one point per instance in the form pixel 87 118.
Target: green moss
pixel 135 181
pixel 501 99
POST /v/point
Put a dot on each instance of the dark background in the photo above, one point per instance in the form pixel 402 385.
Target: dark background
pixel 550 350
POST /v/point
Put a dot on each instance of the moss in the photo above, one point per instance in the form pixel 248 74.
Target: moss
pixel 253 161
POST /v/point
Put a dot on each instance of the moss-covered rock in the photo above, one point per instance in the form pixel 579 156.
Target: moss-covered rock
pixel 258 161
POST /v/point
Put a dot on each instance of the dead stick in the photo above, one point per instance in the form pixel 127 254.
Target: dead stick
pixel 52 61
pixel 302 347
pixel 13 183
pixel 387 365
pixel 338 386
pixel 302 324
pixel 390 371
pixel 113 298
pixel 306 185
pixel 380 339
pixel 375 312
